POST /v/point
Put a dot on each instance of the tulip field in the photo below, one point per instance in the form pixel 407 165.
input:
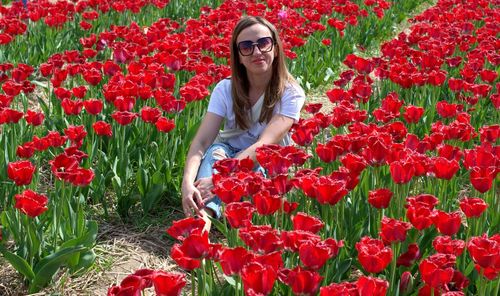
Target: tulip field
pixel 391 186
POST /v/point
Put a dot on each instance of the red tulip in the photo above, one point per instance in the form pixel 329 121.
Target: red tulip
pixel 130 285
pixel 164 124
pixel 380 198
pixel 292 240
pixel 354 163
pixel 329 191
pixel 473 207
pixel 63 166
pixel 369 286
pixel 413 114
pixel 437 270
pixel 481 178
pixel 92 76
pixel 447 110
pixel 373 255
pixel 485 251
pixel 263 239
pixel 124 117
pixel 428 201
pixel 76 134
pixel 302 282
pixel 302 221
pixel 444 168
pixel 34 118
pixel 402 171
pixel 62 93
pixel 420 217
pixel 313 108
pixel 393 230
pixel 26 150
pixel 21 172
pixel 31 203
pixel 181 229
pixel 326 153
pixel 410 256
pixel 447 223
pixel 196 246
pixel 446 245
pixel 8 115
pixel 233 260
pixel 93 106
pixel 183 260
pixel 340 289
pixel 150 115
pixel 81 177
pixel 267 204
pixel 258 279
pixel 102 128
pixel 124 103
pixel 239 214
pixel 229 189
pixel 273 259
pixel 315 254
pixel 168 284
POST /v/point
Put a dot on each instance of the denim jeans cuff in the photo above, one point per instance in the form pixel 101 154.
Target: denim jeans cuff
pixel 214 205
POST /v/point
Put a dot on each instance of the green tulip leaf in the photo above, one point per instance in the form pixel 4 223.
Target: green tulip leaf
pixel 48 266
pixel 18 263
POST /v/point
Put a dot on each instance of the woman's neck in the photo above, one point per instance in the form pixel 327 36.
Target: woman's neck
pixel 259 82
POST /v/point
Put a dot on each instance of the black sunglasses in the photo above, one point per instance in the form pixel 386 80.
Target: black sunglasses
pixel 265 44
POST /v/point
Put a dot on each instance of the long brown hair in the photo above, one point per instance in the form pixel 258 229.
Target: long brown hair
pixel 240 86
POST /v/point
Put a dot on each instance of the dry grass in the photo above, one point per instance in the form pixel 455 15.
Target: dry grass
pixel 120 250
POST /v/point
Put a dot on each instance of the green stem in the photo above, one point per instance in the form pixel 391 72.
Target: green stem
pixel 396 248
pixel 193 288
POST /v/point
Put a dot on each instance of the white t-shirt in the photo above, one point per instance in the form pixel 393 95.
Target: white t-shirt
pixel 221 103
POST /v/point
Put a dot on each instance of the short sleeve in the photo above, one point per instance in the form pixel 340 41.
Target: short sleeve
pixel 292 102
pixel 217 103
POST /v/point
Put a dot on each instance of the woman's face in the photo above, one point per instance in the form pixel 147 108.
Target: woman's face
pixel 258 62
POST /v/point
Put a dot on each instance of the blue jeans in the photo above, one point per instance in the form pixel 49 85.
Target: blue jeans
pixel 216 151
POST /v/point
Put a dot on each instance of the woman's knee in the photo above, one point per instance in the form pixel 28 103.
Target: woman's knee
pixel 217 151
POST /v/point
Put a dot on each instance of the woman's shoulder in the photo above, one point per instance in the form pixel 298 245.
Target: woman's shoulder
pixel 224 84
pixel 292 87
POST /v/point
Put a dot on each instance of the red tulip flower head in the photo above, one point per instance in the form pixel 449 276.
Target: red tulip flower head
pixel 410 256
pixel 373 255
pixel 258 279
pixel 168 284
pixel 181 229
pixel 239 214
pixel 380 198
pixel 31 203
pixel 446 245
pixel 393 230
pixel 485 251
pixel 447 223
pixel 233 260
pixel 21 172
pixel 369 286
pixel 437 270
pixel 302 282
pixel 302 221
pixel 473 207
pixel 102 128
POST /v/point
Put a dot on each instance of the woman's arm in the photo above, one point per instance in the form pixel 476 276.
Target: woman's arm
pixel 275 131
pixel 205 136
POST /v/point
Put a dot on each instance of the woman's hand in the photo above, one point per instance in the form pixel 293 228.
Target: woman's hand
pixel 205 186
pixel 191 200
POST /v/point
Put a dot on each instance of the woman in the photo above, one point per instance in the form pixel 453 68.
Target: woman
pixel 258 104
